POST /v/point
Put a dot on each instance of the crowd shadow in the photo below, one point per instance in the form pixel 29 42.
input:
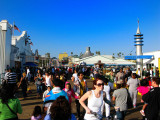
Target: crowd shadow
pixel 25 119
pixel 33 103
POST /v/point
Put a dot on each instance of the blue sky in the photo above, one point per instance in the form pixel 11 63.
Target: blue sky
pixel 108 26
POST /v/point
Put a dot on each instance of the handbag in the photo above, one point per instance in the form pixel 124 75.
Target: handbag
pixel 129 101
pixel 16 118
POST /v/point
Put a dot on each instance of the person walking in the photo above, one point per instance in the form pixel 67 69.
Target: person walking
pixel 120 97
pixel 9 105
pixel 157 72
pixel 28 74
pixel 48 81
pixel 70 92
pixel 133 84
pixel 152 98
pixel 143 89
pixel 54 94
pixel 95 99
pixel 111 79
pixel 60 110
pixel 12 80
pixel 38 81
pixel 23 83
pixel 120 75
pixel 107 90
pixel 80 88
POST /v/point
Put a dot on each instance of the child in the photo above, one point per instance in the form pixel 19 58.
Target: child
pixel 36 113
pixel 46 92
pixel 143 89
pixel 70 92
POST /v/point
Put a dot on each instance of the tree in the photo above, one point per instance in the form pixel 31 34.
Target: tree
pixel 120 54
pixel 113 56
pixel 98 53
pixel 71 53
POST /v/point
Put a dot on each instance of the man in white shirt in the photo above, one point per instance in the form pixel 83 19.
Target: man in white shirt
pixel 28 75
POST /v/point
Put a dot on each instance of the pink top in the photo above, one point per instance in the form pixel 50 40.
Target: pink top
pixel 36 118
pixel 143 89
pixel 70 93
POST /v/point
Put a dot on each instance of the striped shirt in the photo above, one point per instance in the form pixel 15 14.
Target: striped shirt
pixel 11 77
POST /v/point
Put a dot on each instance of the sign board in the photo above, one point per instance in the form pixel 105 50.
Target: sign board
pixel 138 57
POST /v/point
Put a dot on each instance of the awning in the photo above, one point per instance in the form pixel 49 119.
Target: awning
pixel 30 64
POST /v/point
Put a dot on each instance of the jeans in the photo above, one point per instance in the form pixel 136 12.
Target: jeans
pixel 39 89
pixel 121 115
pixel 78 107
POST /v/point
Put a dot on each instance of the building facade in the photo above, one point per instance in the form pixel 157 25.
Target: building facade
pixel 5 45
pixel 154 62
pixel 15 51
pixel 62 56
pixel 24 52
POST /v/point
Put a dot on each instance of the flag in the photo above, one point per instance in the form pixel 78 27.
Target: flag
pixel 31 43
pixel 16 28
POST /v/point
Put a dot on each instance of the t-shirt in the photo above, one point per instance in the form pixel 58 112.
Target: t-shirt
pixel 5 112
pixel 11 77
pixel 152 98
pixel 121 98
pixel 107 89
pixel 133 84
pixel 143 89
pixel 48 82
pixel 75 76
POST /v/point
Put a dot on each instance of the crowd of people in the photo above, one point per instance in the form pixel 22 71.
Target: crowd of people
pixel 111 89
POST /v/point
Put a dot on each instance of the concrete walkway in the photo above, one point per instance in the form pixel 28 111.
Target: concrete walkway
pixel 31 101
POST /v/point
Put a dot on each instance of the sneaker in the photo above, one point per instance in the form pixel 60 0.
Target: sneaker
pixel 134 106
pixel 142 112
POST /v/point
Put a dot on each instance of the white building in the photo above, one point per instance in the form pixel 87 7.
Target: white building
pixel 155 62
pixel 5 45
pixel 24 52
pixel 15 51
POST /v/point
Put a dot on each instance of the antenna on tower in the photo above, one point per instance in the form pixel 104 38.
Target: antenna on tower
pixel 138 30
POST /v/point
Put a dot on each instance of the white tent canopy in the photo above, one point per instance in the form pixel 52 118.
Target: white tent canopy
pixel 107 60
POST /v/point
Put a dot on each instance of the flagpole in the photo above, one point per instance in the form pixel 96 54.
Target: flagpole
pixel 13 29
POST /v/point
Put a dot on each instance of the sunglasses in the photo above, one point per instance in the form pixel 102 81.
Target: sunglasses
pixel 100 84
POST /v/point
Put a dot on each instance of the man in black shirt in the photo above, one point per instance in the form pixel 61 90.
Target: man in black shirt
pixel 152 98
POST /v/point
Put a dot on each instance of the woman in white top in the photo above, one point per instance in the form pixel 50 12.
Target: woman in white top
pixel 95 100
pixel 48 81
pixel 75 76
pixel 75 81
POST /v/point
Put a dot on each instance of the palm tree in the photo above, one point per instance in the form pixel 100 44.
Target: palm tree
pixel 113 56
pixel 71 53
